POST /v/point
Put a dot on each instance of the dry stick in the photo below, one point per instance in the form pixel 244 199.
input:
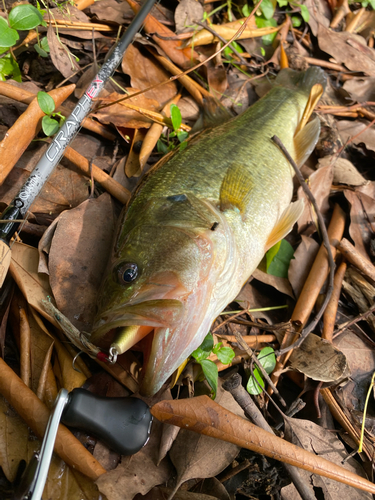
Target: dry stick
pixel 25 96
pixel 247 349
pixel 243 398
pixel 329 317
pixel 176 77
pixel 207 27
pixel 111 185
pixel 326 243
pixel 356 258
pixel 355 320
pixel 36 415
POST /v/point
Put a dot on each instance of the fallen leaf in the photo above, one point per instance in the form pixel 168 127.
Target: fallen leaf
pixel 344 172
pixel 300 266
pixel 361 89
pixel 78 252
pixel 160 493
pixel 186 14
pixel 133 167
pixel 347 48
pixel 33 285
pixel 280 284
pixel 145 72
pixel 168 437
pixel 320 185
pixel 324 443
pixel 360 229
pixel 320 14
pixel 63 60
pixel 110 10
pixel 138 473
pixel 120 115
pixel 318 359
pixel 191 454
pixel 348 129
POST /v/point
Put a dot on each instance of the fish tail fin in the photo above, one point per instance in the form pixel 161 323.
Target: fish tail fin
pixel 302 80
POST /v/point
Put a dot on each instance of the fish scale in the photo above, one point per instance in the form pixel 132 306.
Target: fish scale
pixel 200 223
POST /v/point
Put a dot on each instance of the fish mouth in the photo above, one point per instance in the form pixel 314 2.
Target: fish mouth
pixel 153 313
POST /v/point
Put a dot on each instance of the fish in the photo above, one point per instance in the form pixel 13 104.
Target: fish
pixel 201 221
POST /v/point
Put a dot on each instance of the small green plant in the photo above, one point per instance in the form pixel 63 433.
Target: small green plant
pixel 278 259
pixel 23 17
pixel 267 359
pixel 209 368
pixel 49 125
pixel 163 145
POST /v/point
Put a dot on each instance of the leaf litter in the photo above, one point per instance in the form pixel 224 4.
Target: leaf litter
pixel 74 249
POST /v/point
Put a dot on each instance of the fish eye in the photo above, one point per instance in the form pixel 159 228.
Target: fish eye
pixel 126 273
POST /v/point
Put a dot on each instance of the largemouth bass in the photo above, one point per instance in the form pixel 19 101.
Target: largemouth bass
pixel 198 226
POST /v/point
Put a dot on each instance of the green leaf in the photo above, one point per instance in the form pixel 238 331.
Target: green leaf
pixel 9 67
pixel 282 3
pixel 268 8
pixel 267 359
pixel 246 10
pixel 176 117
pixel 46 103
pixel 204 349
pixel 305 13
pixel 211 373
pixel 372 3
pixel 40 51
pixel 279 264
pixel 8 36
pixel 182 136
pixel 262 51
pixel 225 355
pixel 217 348
pixel 49 126
pixel 262 22
pixel 161 147
pixel 183 145
pixel 25 17
pixel 252 386
pixel 272 252
pixel 296 21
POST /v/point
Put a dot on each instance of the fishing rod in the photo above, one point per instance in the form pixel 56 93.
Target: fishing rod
pixel 26 196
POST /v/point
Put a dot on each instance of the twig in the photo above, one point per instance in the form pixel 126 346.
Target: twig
pixel 329 317
pixel 207 27
pixel 247 349
pixel 355 320
pixel 234 386
pixel 309 328
pixel 356 258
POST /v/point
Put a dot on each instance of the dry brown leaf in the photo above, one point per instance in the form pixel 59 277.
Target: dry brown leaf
pixel 204 416
pixel 324 442
pixel 347 48
pixel 121 116
pixel 344 172
pixel 168 437
pixel 78 254
pixel 191 454
pixel 320 14
pixel 183 57
pixel 320 185
pixel 110 10
pixel 361 89
pixel 348 129
pixel 33 285
pixel 40 344
pixel 360 229
pixel 217 79
pixel 300 266
pixel 70 14
pixel 145 72
pixel 318 359
pixel 63 60
pixel 280 284
pixel 160 493
pixel 138 473
pixel 186 14
pixel 133 167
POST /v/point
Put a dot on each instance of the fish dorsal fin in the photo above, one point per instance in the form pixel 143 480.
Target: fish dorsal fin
pixel 316 93
pixel 305 141
pixel 285 223
pixel 236 188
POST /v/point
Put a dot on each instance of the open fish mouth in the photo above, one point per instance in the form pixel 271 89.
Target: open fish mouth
pixel 164 313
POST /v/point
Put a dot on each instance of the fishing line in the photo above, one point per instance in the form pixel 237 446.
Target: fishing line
pixel 29 192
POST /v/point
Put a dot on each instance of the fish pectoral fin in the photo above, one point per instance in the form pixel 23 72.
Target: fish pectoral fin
pixel 285 224
pixel 316 93
pixel 305 141
pixel 236 188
